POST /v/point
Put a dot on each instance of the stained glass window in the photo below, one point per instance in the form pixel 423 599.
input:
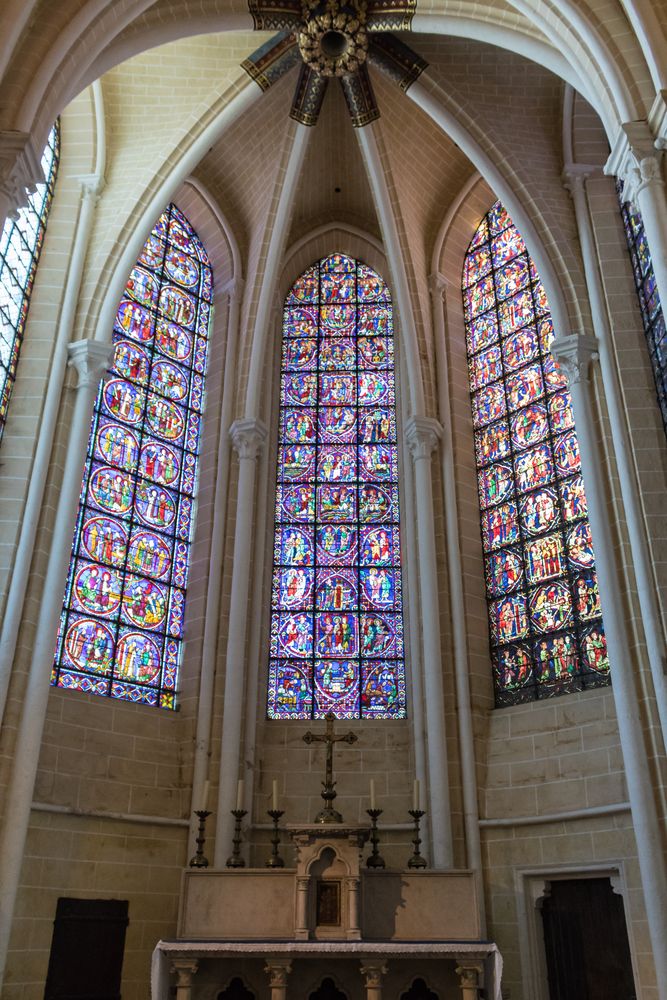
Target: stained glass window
pixel 649 300
pixel 122 623
pixel 545 624
pixel 336 619
pixel 20 246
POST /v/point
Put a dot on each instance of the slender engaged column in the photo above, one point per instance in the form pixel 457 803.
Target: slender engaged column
pixel 278 969
pixel 421 434
pixel 353 929
pixel 90 359
pixel 248 438
pixel 574 355
pixel 301 932
pixel 372 973
pixel 469 973
pixel 637 162
pixel 184 969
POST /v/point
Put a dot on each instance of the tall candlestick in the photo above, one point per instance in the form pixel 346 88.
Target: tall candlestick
pixel 204 805
pixel 372 793
pixel 239 794
pixel 415 794
pixel 275 795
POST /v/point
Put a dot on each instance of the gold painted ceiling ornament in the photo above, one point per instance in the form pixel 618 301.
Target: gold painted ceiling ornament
pixel 333 38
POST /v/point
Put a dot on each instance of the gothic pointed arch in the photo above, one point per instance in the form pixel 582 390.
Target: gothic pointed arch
pixel 121 628
pixel 545 621
pixel 336 621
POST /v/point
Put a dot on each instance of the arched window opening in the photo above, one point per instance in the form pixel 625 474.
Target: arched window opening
pixel 20 246
pixel 653 316
pixel 122 623
pixel 336 619
pixel 545 623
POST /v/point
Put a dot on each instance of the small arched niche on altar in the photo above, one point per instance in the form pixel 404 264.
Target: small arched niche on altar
pixel 328 881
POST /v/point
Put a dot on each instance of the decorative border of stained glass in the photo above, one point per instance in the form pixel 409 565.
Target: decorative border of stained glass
pixel 20 246
pixel 336 639
pixel 121 629
pixel 545 623
pixel 653 316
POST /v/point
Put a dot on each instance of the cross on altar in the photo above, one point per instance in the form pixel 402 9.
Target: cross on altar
pixel 329 814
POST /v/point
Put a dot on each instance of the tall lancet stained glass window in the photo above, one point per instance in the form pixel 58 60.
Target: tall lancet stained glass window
pixel 122 622
pixel 20 246
pixel 545 624
pixel 652 312
pixel 336 618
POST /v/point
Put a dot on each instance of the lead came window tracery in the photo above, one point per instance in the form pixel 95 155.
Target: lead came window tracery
pixel 545 623
pixel 336 624
pixel 122 623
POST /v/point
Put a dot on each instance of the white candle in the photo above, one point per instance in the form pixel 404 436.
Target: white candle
pixel 275 795
pixel 204 804
pixel 415 794
pixel 239 795
pixel 372 793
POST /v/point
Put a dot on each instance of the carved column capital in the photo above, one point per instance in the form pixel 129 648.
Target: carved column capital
pixel 234 289
pixel 437 285
pixel 657 119
pixel 20 169
pixel 635 159
pixel 574 175
pixel 91 359
pixel 92 186
pixel 574 355
pixel 421 436
pixel 469 972
pixel 184 969
pixel 278 969
pixel 372 973
pixel 248 437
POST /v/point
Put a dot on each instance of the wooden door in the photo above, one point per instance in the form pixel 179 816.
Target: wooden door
pixel 86 958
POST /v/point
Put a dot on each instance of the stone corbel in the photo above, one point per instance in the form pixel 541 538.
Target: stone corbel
pixel 91 359
pixel 20 170
pixel 574 354
pixel 657 119
pixel 635 159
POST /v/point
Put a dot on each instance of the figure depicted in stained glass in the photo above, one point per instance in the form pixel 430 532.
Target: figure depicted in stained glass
pixel 336 627
pixel 122 622
pixel 544 609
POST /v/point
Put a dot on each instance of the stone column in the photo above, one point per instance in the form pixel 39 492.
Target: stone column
pixel 574 355
pixel 422 434
pixel 184 969
pixel 636 161
pixel 301 929
pixel 469 973
pixel 20 172
pixel 278 969
pixel 91 360
pixel 372 973
pixel 248 438
pixel 353 928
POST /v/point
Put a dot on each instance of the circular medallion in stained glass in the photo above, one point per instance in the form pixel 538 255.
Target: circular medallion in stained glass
pixel 495 483
pixel 580 545
pixel 124 400
pixel 336 634
pixel 135 321
pixel 294 587
pixel 111 490
pixel 181 268
pixel 289 690
pixel 378 635
pixel 337 354
pixel 118 446
pixel 382 696
pixel 375 352
pixel 544 558
pixel 377 462
pixel 173 340
pixel 504 571
pixel 566 453
pixel 529 426
pixel 169 380
pixel 153 252
pixel 551 607
pixel 297 461
pixel 336 503
pixel 164 418
pixel 375 503
pixel 144 602
pixel 539 511
pixel 337 590
pixel 177 306
pixel 377 546
pixel 137 658
pixel 524 387
pixel 296 547
pixel 298 503
pixel 299 354
pixel 155 507
pixel 338 423
pixel 595 650
pixel 587 597
pixel 294 636
pixel 336 688
pixel 131 361
pixel 104 540
pixel 556 658
pixel 336 543
pixel 149 554
pixel 508 618
pixel 520 348
pixel 89 645
pixel 299 427
pixel 373 387
pixel 378 588
pixel 97 589
pixel 159 463
pixel 299 390
pixel 513 667
pixel 574 499
pixel 142 287
pixel 560 411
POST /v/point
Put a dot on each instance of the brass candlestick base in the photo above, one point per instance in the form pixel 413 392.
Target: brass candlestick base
pixel 275 861
pixel 198 860
pixel 375 860
pixel 235 860
pixel 416 861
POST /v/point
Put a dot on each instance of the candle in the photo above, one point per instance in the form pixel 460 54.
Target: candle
pixel 275 795
pixel 204 804
pixel 372 793
pixel 239 795
pixel 415 794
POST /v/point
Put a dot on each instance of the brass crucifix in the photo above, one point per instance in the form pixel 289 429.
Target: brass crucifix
pixel 329 814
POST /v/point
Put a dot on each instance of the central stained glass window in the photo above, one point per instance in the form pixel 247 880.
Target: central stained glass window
pixel 122 623
pixel 545 622
pixel 336 618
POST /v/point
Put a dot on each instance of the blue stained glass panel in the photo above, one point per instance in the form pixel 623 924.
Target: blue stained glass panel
pixel 336 639
pixel 545 623
pixel 122 621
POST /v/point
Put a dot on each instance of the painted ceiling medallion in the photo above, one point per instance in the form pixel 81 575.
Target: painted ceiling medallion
pixel 332 38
